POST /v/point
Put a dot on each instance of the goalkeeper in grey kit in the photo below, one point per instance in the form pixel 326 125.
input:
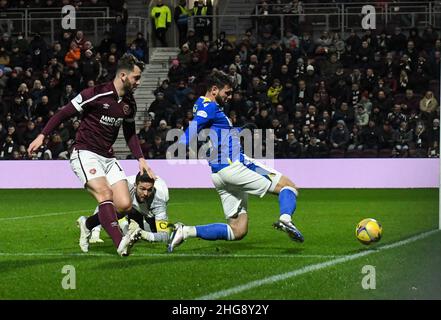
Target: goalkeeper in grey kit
pixel 149 212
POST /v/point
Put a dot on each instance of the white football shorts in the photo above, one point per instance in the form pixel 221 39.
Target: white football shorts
pixel 235 182
pixel 88 165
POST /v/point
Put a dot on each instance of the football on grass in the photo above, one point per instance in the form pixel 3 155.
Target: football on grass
pixel 368 231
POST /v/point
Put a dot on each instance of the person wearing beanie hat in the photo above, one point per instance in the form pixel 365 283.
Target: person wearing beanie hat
pixel 175 62
pixel 339 136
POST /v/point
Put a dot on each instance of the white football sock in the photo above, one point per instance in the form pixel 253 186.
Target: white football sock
pixel 148 236
pixel 189 232
pixel 285 218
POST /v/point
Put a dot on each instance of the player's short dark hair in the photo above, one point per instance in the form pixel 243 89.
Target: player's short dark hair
pixel 144 177
pixel 218 79
pixel 128 62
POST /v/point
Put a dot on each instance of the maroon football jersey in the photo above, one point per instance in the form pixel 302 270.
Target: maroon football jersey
pixel 102 114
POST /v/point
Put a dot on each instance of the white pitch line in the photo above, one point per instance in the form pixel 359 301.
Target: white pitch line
pixel 310 268
pixel 63 213
pixel 45 215
pixel 174 255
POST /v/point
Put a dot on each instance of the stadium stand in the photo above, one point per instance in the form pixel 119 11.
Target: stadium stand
pixel 367 93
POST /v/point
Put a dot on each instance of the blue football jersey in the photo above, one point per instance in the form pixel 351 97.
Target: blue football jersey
pixel 225 143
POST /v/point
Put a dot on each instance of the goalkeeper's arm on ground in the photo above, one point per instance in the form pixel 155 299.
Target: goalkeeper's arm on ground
pixel 159 229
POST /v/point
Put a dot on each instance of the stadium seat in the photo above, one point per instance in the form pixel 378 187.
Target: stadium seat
pixel 412 153
pixel 353 153
pixel 385 153
pixel 336 153
pixel 370 153
pixel 420 153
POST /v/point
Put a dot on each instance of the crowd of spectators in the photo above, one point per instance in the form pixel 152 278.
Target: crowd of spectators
pixel 369 94
pixel 37 77
pixel 373 93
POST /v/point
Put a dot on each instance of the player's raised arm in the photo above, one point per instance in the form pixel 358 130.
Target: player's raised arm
pixel 76 105
pixel 64 113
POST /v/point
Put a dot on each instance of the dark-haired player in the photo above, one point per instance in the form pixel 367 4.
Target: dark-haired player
pixel 234 174
pixel 104 108
pixel 149 211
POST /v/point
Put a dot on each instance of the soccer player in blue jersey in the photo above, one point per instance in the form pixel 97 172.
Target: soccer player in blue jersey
pixel 234 174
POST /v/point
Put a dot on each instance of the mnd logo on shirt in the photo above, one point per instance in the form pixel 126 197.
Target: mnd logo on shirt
pixel 111 121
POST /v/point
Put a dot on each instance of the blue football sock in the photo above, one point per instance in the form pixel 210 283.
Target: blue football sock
pixel 215 231
pixel 287 200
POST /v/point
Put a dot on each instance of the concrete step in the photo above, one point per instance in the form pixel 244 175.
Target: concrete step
pixel 165 54
pixel 243 7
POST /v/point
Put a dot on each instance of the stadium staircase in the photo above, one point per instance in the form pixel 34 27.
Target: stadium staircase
pixel 234 7
pixel 138 8
pixel 154 73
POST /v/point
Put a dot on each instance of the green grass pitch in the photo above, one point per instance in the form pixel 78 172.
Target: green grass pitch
pixel 39 236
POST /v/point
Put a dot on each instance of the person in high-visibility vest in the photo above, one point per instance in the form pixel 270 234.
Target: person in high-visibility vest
pixel 161 16
pixel 181 15
pixel 200 23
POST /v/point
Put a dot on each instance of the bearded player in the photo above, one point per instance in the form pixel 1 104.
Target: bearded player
pixel 149 211
pixel 234 175
pixel 104 109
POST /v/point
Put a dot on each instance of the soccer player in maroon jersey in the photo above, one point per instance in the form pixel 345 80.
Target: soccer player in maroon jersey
pixel 104 108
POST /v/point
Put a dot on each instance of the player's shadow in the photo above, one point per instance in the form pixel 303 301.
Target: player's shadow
pixel 244 250
pixel 14 265
pixel 143 261
pixel 248 248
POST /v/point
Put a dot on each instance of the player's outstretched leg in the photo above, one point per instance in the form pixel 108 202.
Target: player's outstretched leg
pixel 148 236
pixel 236 229
pixel 214 231
pixel 288 204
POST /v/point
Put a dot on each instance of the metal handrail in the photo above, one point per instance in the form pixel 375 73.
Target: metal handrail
pixel 27 10
pixel 320 4
pixel 96 22
pixel 343 25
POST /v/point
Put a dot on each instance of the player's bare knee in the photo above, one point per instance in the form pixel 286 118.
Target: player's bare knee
pixel 105 194
pixel 240 234
pixel 288 183
pixel 239 226
pixel 239 231
pixel 124 206
pixel 285 182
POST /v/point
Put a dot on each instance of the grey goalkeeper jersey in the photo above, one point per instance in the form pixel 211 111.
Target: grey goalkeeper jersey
pixel 156 205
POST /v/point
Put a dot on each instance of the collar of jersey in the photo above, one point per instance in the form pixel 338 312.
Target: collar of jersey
pixel 116 93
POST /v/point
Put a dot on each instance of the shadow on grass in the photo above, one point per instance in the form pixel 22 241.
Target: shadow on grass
pixel 13 265
pixel 218 251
